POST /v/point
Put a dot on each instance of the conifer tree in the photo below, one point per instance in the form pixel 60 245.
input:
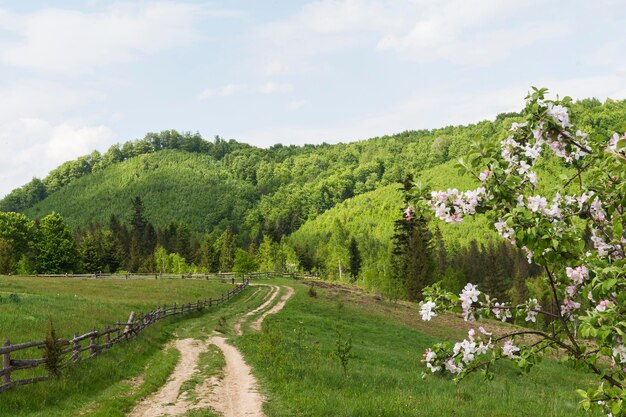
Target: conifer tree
pixel 355 259
pixel 227 251
pixel 412 256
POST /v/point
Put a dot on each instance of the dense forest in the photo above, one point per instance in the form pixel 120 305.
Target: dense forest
pixel 175 202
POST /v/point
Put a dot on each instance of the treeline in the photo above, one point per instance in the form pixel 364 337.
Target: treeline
pixel 48 246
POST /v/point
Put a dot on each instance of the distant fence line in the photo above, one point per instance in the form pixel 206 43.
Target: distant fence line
pixel 222 276
pixel 92 343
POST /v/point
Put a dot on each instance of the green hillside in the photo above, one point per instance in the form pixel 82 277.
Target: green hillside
pixel 211 186
pixel 325 208
pixel 176 185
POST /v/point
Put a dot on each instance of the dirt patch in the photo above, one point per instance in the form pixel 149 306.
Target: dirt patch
pixel 338 287
pixel 279 306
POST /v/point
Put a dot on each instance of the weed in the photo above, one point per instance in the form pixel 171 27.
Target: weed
pixel 312 291
pixel 53 349
pixel 343 349
pixel 221 325
pixel 14 298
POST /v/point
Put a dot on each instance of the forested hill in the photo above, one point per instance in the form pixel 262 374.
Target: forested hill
pixel 215 185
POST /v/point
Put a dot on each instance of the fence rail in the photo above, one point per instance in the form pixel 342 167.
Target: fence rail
pixel 158 275
pixel 90 344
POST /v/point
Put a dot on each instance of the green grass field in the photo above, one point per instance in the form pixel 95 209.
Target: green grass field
pixel 75 305
pixel 292 357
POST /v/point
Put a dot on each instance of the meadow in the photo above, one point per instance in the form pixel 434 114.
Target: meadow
pixel 293 357
pixel 75 305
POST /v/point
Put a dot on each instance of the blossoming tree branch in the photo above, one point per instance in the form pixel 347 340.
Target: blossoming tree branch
pixel 584 277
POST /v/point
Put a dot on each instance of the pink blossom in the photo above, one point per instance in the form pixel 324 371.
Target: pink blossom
pixel 602 306
pixel 484 175
pixel 509 349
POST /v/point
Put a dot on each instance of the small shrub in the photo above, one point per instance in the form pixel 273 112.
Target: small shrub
pixel 343 349
pixel 53 350
pixel 14 298
pixel 312 291
pixel 221 325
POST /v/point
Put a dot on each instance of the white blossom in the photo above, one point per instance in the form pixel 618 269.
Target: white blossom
pixel 428 311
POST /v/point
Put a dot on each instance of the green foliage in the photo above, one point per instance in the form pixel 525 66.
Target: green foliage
pixel 52 352
pixel 244 262
pixel 56 249
pixel 355 259
pixel 343 349
pixel 226 245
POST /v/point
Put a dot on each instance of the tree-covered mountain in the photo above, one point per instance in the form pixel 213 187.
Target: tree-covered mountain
pixel 321 207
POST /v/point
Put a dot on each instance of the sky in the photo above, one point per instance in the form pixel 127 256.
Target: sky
pixel 82 75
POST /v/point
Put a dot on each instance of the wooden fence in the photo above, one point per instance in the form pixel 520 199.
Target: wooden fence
pixel 90 344
pixel 222 276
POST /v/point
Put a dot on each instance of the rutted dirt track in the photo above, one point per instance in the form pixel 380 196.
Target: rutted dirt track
pixel 272 295
pixel 235 395
pixel 166 401
pixel 279 306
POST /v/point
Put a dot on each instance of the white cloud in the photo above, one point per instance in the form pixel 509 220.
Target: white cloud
pixel 36 98
pixel 224 91
pixel 230 89
pixel 32 147
pixel 75 41
pixel 436 107
pixel 276 67
pixel 271 88
pixel 296 104
pixel 468 33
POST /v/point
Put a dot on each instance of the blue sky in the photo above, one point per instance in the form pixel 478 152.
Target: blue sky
pixel 82 75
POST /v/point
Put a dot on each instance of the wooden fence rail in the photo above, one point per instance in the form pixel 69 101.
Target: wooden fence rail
pixel 222 276
pixel 92 343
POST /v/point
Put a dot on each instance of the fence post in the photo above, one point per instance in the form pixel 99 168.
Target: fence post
pixel 210 301
pixel 93 344
pixel 129 324
pixel 76 349
pixel 107 337
pixel 6 365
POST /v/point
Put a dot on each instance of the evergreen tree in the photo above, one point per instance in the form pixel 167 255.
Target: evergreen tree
pixel 206 262
pixel 413 263
pixel 355 259
pixel 266 256
pixel 56 249
pixel 495 279
pixel 227 251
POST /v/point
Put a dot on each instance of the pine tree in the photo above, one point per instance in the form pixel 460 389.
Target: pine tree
pixel 413 263
pixel 227 251
pixel 495 279
pixel 355 259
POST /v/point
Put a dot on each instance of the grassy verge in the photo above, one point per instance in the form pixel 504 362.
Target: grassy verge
pixel 295 359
